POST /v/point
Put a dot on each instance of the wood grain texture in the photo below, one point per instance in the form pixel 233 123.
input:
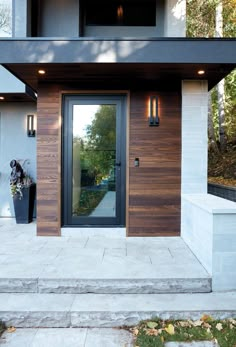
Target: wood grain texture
pixel 48 161
pixel 153 189
pixel 154 186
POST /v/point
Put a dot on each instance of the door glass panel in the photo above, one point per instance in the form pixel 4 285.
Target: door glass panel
pixel 93 161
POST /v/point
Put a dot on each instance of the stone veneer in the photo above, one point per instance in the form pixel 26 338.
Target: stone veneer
pixel 208 223
pixel 209 229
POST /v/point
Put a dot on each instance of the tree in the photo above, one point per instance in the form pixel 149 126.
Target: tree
pixel 209 19
pixel 5 19
pixel 221 85
pixel 99 151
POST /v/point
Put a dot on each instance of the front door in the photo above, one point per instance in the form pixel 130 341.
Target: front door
pixel 94 160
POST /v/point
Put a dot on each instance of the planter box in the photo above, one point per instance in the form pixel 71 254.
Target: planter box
pixel 225 192
pixel 24 207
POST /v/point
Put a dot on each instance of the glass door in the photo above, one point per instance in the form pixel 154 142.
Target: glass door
pixel 94 160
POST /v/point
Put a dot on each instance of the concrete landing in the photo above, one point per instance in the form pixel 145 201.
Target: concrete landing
pixel 95 261
pixel 107 310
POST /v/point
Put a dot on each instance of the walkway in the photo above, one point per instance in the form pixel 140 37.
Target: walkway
pixel 107 207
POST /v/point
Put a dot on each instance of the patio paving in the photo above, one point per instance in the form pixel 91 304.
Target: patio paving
pixel 95 260
pixel 98 278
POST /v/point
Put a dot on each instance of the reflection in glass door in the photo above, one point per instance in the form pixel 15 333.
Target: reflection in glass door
pixel 94 165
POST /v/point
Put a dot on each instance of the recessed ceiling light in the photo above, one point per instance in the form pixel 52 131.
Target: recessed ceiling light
pixel 201 72
pixel 41 72
pixel 2 98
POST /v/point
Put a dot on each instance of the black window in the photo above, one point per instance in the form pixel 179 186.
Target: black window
pixel 133 13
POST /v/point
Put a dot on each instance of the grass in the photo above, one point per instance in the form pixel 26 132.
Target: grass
pixel 156 332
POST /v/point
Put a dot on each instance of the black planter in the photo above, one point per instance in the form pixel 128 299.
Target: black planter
pixel 24 207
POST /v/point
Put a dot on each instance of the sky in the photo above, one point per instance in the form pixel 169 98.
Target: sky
pixel 83 116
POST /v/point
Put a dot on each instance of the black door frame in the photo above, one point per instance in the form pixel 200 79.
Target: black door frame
pixel 68 101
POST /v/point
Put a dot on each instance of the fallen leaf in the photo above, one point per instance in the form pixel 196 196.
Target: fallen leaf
pixel 207 325
pixel 197 323
pixel 11 329
pixel 151 332
pixel 185 324
pixel 135 332
pixel 152 325
pixel 170 329
pixel 206 318
pixel 219 326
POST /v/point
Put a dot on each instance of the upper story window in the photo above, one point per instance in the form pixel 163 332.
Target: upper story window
pixel 5 18
pixel 120 13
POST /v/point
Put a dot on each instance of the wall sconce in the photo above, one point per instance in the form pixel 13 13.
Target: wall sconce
pixel 153 116
pixel 30 125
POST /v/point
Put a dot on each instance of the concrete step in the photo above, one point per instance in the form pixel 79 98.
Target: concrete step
pixel 105 286
pixel 109 310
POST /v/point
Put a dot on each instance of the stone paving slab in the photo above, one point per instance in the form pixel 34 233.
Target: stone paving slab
pixel 107 310
pixel 80 337
pixel 67 338
pixel 192 344
pixel 88 260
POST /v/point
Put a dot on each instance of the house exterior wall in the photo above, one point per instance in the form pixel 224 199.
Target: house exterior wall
pixel 49 161
pixel 11 84
pixel 153 203
pixel 175 18
pixel 65 14
pixel 194 137
pixel 154 186
pixel 14 144
pixel 19 18
pixel 170 21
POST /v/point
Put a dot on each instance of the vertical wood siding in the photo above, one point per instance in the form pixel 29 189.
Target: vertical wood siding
pixel 48 161
pixel 154 186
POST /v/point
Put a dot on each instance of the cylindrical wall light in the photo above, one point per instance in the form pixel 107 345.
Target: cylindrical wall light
pixel 30 125
pixel 153 113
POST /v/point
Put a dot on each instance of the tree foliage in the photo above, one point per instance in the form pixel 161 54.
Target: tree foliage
pixel 201 22
pixel 98 152
pixel 201 18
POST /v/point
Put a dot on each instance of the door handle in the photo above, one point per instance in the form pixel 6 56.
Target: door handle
pixel 118 164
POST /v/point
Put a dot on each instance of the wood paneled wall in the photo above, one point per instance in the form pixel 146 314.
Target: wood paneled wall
pixel 153 190
pixel 48 161
pixel 154 186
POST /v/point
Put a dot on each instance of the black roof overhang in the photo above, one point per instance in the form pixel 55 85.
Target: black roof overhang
pixel 92 60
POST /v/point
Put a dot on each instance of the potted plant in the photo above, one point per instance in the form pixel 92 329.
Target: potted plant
pixel 23 191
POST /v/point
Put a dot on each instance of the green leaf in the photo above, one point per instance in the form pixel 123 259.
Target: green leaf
pixel 152 325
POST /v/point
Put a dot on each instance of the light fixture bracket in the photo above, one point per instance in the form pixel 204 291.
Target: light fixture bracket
pixel 31 132
pixel 153 115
